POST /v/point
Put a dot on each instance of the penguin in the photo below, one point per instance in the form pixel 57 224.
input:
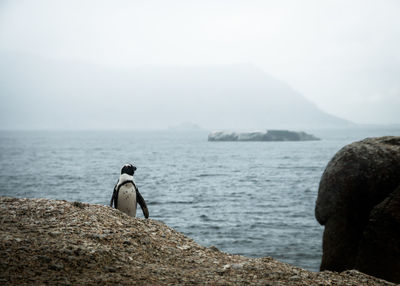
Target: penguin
pixel 126 194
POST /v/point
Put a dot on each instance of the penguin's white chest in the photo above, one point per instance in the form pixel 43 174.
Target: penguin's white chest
pixel 127 199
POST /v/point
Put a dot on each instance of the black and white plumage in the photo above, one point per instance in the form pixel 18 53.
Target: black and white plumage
pixel 126 194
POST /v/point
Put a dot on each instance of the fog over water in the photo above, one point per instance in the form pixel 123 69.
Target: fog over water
pixel 87 86
pixel 78 64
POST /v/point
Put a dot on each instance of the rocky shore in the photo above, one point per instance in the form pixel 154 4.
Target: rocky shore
pixel 71 243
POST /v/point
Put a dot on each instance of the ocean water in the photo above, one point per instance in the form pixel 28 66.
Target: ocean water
pixel 250 198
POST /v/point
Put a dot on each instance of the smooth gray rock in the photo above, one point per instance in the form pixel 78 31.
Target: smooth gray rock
pixel 360 177
pixel 379 248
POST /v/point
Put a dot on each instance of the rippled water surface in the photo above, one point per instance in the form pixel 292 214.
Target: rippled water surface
pixel 251 198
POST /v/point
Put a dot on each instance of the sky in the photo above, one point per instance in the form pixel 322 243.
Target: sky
pixel 342 55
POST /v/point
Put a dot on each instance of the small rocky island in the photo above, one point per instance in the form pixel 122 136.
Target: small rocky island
pixel 50 242
pixel 269 135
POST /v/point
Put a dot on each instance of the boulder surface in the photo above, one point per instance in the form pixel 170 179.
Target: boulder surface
pixel 358 202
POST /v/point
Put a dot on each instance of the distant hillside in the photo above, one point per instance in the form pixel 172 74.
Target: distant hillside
pixel 39 93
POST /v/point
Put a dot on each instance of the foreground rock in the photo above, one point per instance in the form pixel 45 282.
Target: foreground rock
pixel 58 243
pixel 269 135
pixel 359 204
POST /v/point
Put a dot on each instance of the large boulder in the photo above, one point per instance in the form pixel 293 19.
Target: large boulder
pixel 358 202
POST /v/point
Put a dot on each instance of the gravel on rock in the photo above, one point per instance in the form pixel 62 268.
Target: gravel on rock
pixel 68 243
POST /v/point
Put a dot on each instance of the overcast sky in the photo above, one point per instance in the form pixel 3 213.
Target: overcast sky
pixel 342 55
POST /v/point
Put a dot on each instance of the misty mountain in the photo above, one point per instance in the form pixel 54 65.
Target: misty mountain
pixel 42 93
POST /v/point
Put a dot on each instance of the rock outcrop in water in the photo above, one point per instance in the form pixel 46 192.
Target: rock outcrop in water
pixel 62 243
pixel 269 135
pixel 359 204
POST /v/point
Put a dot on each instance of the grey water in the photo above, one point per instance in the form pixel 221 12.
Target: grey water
pixel 250 198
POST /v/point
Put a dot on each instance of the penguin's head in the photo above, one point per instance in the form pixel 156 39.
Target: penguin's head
pixel 128 169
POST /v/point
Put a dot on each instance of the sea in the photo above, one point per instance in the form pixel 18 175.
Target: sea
pixel 255 199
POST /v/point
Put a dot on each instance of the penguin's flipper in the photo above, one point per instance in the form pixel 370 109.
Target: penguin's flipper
pixel 114 198
pixel 142 204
